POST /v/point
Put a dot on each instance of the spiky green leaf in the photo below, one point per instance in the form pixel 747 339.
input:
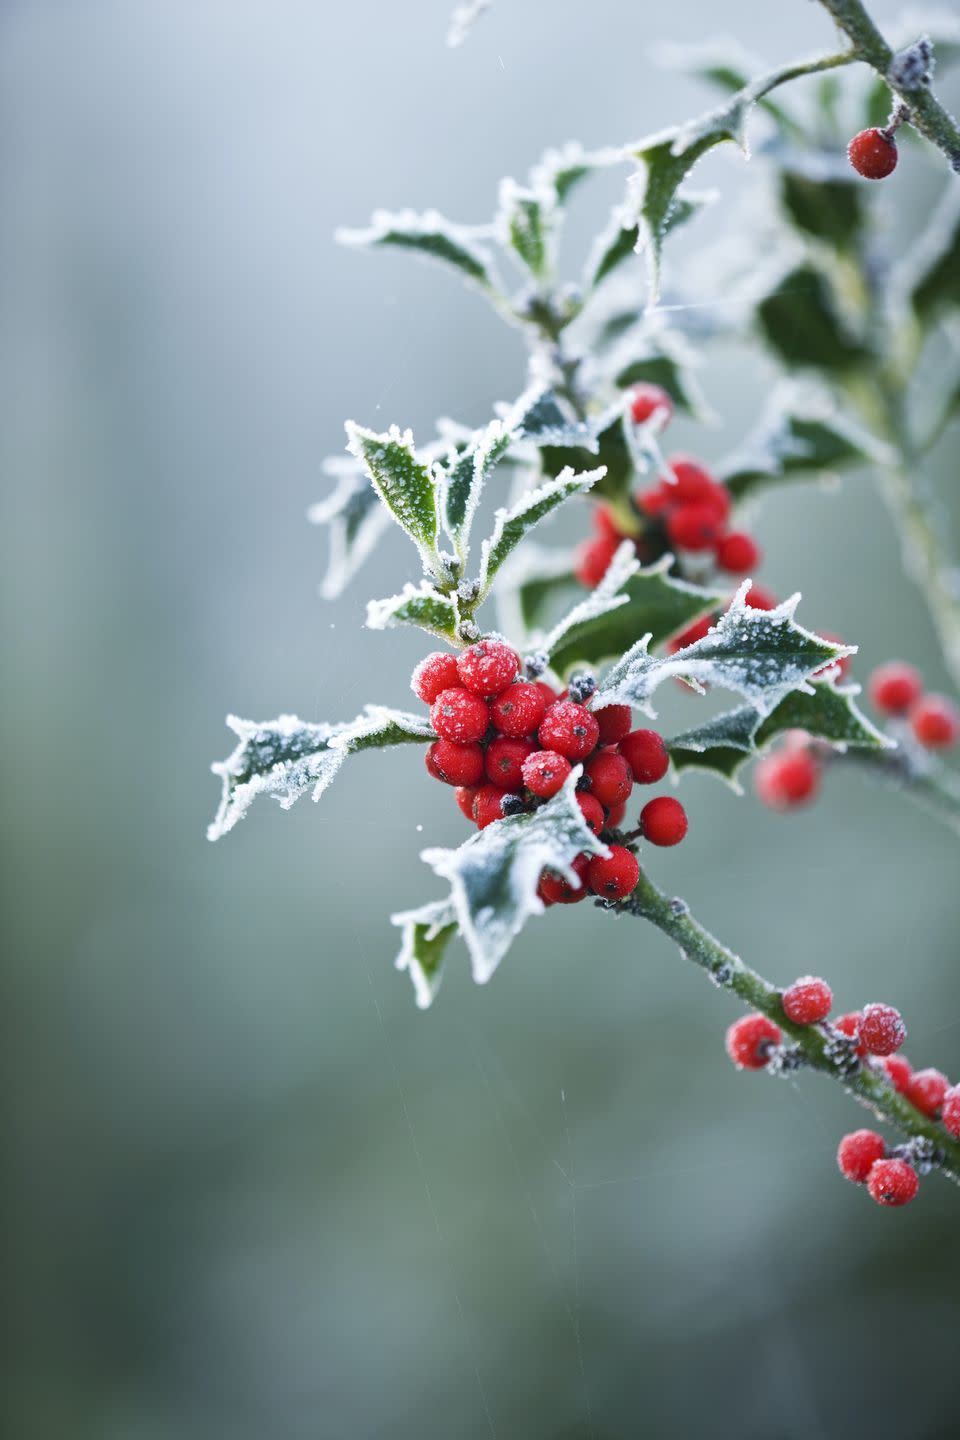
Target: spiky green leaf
pixel 402 480
pixel 426 934
pixel 512 525
pixel 420 605
pixel 431 235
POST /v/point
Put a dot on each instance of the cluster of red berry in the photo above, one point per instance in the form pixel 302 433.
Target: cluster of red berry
pixel 869 1036
pixel 508 744
pixel 687 514
pixel 791 776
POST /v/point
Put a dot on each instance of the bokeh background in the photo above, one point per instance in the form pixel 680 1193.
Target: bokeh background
pixel 253 1191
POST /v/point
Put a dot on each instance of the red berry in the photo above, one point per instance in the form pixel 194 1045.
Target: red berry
pixel 615 876
pixel 898 1070
pixel 593 559
pixel 926 1089
pixel 849 1025
pixel 504 762
pixel 455 764
pixel 555 889
pixel 610 778
pixel 697 631
pixel 807 1000
pixel 614 722
pixel 488 805
pixel 592 811
pixel 882 1029
pixel 858 1152
pixel 737 553
pixel 458 715
pixel 760 599
pixel 488 667
pixel 936 722
pixel 647 400
pixel 519 709
pixel 435 672
pixel 663 821
pixel 465 796
pixel 693 482
pixel 656 499
pixel 646 754
pixel 750 1040
pixel 950 1114
pixel 892 1182
pixel 570 729
pixel 615 816
pixel 606 523
pixel 873 154
pixel 693 527
pixel 544 773
pixel 787 779
pixel 895 686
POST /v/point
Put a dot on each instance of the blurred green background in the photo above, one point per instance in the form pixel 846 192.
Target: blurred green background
pixel 254 1192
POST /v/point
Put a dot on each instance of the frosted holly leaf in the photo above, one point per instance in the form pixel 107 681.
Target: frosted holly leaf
pixel 803 432
pixel 463 479
pixel 611 449
pixel 426 934
pixel 802 323
pixel 820 194
pixel 286 756
pixel 618 242
pixel 560 170
pixel 510 526
pixel 463 19
pixel 539 417
pixel 530 580
pixel 759 654
pixel 432 235
pixel 494 875
pixel 403 482
pixel 420 605
pixel 525 223
pixel 669 370
pixel 722 63
pixel 355 521
pixel 930 275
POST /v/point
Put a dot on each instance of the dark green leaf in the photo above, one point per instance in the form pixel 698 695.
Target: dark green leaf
pixel 419 605
pixel 800 322
pixel 403 482
pixel 512 525
pixel 936 262
pixel 831 210
pixel 431 235
pixel 670 373
pixel 526 220
pixel 426 934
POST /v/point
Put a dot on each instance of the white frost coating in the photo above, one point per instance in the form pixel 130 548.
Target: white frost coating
pixel 601 600
pixel 773 443
pixel 525 223
pixel 494 875
pixel 354 528
pixel 436 915
pixel 530 510
pixel 571 157
pixel 489 445
pixel 430 232
pixel 463 19
pixel 381 614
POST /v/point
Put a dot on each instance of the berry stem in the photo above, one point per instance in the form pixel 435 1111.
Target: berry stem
pixel 867 1085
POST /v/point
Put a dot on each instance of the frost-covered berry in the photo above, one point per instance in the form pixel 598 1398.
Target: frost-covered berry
pixel 647 400
pixel 615 816
pixel 547 691
pixel 760 599
pixel 570 729
pixel 465 796
pixel 882 1029
pixel 455 764
pixel 435 672
pixel 555 889
pixel 614 722
pixel 504 761
pixel 488 805
pixel 807 1000
pixel 458 715
pixel 898 1070
pixel 646 754
pixel 610 777
pixel 926 1089
pixel 935 721
pixel 519 709
pixel 488 667
pixel 786 779
pixel 892 1182
pixel 592 811
pixel 544 772
pixel 849 1025
pixel 873 154
pixel 751 1040
pixel 663 821
pixel 699 630
pixel 858 1152
pixel 950 1112
pixel 895 686
pixel 737 553
pixel 694 527
pixel 593 559
pixel 614 876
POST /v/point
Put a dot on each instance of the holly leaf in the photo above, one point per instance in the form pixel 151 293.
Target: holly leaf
pixel 426 934
pixel 531 579
pixel 525 224
pixel 669 366
pixel 403 482
pixel 611 450
pixel 933 269
pixel 462 482
pixel 821 202
pixel 286 756
pixel 801 323
pixel 355 521
pixel 614 245
pixel 510 526
pixel 429 234
pixel 420 605
pixel 560 170
pixel 494 875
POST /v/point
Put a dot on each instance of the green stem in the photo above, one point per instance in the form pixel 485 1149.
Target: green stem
pixel 812 1043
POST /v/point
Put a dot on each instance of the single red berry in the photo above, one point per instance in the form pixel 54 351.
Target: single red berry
pixel 807 1000
pixel 892 1182
pixel 555 889
pixel 858 1152
pixel 950 1113
pixel 615 816
pixel 458 715
pixel 593 559
pixel 519 709
pixel 926 1089
pixel 610 777
pixel 646 754
pixel 488 667
pixel 616 876
pixel 606 523
pixel 465 796
pixel 504 762
pixel 663 821
pixel 693 527
pixel 614 722
pixel 849 1025
pixel 547 691
pixel 647 400
pixel 882 1029
pixel 898 1070
pixel 435 672
pixel 488 805
pixel 693 483
pixel 787 779
pixel 697 631
pixel 570 729
pixel 750 1041
pixel 656 499
pixel 873 154
pixel 591 810
pixel 544 772
pixel 760 599
pixel 935 721
pixel 737 553
pixel 455 764
pixel 895 686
